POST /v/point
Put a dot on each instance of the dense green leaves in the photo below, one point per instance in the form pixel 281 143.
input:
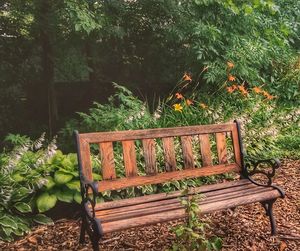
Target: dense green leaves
pixel 42 219
pixel 46 201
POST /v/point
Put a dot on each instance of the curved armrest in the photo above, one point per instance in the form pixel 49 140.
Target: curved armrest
pixel 86 185
pixel 251 168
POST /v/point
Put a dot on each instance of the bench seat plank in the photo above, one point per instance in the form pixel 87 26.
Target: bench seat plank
pixel 158 206
pixel 151 209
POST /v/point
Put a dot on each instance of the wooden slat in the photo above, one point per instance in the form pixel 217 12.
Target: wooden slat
pixel 155 133
pixel 223 193
pixel 168 215
pixel 107 160
pixel 236 146
pixel 86 159
pixel 166 205
pixel 187 151
pixel 175 194
pixel 129 157
pixel 165 177
pixel 221 147
pixel 150 156
pixel 169 153
pixel 205 150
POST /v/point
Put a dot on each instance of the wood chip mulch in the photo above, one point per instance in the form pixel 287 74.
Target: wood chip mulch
pixel 245 228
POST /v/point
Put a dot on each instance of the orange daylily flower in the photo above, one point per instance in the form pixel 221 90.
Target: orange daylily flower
pixel 178 107
pixel 243 90
pixel 231 78
pixel 269 97
pixel 265 93
pixel 178 95
pixel 189 102
pixel 257 89
pixel 203 106
pixel 230 89
pixel 230 65
pixel 187 77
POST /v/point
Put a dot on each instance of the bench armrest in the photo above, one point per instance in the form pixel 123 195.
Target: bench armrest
pixel 86 186
pixel 252 168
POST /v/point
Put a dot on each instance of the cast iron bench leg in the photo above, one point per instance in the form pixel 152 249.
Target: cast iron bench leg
pixel 268 206
pixel 82 231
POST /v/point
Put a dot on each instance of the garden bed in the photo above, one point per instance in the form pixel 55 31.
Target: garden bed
pixel 246 228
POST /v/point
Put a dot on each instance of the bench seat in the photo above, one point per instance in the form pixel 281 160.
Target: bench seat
pixel 151 209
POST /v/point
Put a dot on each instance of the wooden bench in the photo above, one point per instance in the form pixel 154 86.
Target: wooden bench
pixel 111 216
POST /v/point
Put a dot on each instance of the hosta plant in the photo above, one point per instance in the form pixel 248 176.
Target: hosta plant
pixel 20 179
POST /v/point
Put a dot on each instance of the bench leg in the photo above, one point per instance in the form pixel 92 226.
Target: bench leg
pixel 268 206
pixel 82 231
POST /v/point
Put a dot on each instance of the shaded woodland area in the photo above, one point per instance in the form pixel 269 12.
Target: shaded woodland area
pixel 57 57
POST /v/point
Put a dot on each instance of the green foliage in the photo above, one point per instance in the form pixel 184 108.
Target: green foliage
pixel 20 179
pixel 192 235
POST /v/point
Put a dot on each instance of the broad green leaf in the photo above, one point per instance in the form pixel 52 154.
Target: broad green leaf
pixel 42 219
pixel 20 193
pixel 77 197
pixel 23 207
pixel 6 221
pixel 17 177
pixel 65 195
pixel 50 183
pixel 74 185
pixel 7 230
pixel 62 178
pixel 67 164
pixel 45 202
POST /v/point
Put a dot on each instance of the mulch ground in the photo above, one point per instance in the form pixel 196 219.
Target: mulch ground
pixel 245 228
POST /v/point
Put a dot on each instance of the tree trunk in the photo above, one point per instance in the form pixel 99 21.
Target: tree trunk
pixel 47 57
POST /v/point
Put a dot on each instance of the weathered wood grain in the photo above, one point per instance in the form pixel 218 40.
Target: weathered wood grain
pixel 187 151
pixel 86 159
pixel 221 147
pixel 169 154
pixel 167 205
pixel 155 133
pixel 165 177
pixel 129 157
pixel 205 150
pixel 107 160
pixel 175 194
pixel 150 156
pixel 236 147
pixel 129 222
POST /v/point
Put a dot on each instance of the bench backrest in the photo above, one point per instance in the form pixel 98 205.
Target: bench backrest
pixel 205 135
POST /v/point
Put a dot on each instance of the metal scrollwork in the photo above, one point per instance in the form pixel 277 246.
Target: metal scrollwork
pixel 251 168
pixel 90 223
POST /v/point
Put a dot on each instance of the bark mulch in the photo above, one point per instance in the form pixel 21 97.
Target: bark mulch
pixel 245 228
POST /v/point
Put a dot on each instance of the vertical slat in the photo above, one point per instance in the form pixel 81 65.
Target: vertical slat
pixel 150 156
pixel 86 159
pixel 221 147
pixel 169 153
pixel 107 160
pixel 236 146
pixel 129 157
pixel 205 150
pixel 188 158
